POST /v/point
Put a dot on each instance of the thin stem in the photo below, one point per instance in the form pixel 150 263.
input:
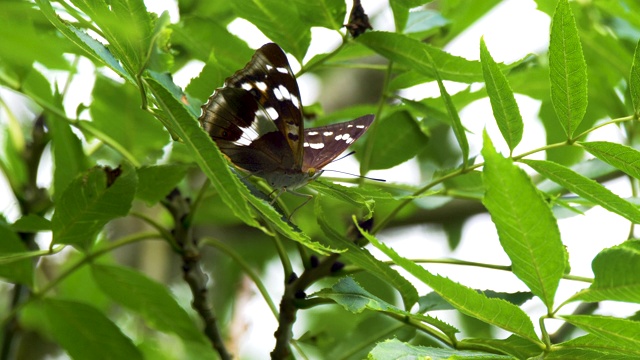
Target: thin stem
pixel 282 252
pixel 450 175
pixel 368 149
pixel 545 334
pixel 614 121
pixel 195 205
pixel 247 269
pixel 91 256
pixel 353 350
pixel 481 265
pixel 424 328
pixel 321 61
pixel 151 222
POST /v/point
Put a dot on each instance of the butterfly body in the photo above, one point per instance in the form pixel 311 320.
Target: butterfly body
pixel 256 121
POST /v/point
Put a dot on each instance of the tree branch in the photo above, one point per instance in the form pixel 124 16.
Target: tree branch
pixel 179 207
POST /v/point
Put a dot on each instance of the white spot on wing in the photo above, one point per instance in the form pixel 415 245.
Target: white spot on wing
pixel 246 86
pixel 282 70
pixel 268 66
pixel 350 125
pixel 316 146
pixel 295 101
pixel 283 90
pixel 278 94
pixel 359 126
pixel 338 137
pixel 273 113
pixel 312 133
pixel 261 86
pixel 305 144
pixel 327 133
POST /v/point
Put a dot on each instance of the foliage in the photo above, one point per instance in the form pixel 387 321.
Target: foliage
pixel 102 172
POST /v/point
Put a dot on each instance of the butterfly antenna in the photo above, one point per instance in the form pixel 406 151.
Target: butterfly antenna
pixel 343 156
pixel 358 176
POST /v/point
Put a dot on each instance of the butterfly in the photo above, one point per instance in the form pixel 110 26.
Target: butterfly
pixel 256 121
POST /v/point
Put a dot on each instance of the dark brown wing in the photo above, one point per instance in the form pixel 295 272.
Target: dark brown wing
pixel 325 143
pixel 260 99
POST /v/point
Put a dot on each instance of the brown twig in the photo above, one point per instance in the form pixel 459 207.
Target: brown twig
pixel 179 207
pixel 294 292
pixel 32 200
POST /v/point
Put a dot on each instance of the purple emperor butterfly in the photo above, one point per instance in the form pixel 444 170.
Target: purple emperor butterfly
pixel 256 121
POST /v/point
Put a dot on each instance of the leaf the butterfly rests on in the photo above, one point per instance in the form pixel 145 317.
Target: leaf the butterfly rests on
pixel 256 121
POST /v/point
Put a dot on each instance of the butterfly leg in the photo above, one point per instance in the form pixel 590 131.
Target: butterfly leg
pixel 308 196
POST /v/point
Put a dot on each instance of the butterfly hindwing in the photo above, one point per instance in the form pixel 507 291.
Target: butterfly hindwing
pixel 325 143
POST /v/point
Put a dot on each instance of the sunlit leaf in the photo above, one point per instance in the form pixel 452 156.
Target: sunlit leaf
pixel 492 311
pixel 568 69
pixel 504 105
pixel 90 201
pixel 81 330
pixel 586 188
pixel 617 274
pixel 528 231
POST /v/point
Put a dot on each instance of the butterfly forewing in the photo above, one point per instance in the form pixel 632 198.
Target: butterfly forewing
pixel 325 143
pixel 256 121
pixel 268 77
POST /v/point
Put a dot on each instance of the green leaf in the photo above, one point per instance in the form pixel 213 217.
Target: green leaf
pixel 355 299
pixel 208 157
pixel 395 349
pixel 85 42
pixel 617 275
pixel 126 26
pixel 412 3
pixel 568 69
pixel 31 223
pixel 148 298
pixel 206 154
pixel 201 38
pixel 212 76
pixel 504 105
pixel 129 126
pixel 433 301
pixel 25 39
pixel 155 182
pixel 397 139
pixel 456 124
pixel 620 331
pixel 11 162
pixel 279 21
pixel 513 345
pixel 90 201
pixel 346 194
pixel 400 15
pixel 634 80
pixel 411 53
pixel 20 271
pixel 592 343
pixel 492 311
pixel 362 257
pixel 81 330
pixel 528 231
pixel 326 13
pixel 69 159
pixel 620 156
pixel 586 188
